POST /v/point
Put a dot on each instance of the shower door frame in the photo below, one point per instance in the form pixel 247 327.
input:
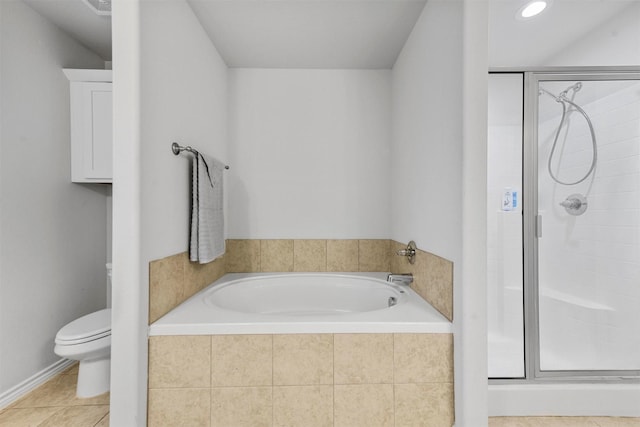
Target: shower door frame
pixel 533 227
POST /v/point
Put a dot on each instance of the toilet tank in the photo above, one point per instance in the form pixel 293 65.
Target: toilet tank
pixel 108 285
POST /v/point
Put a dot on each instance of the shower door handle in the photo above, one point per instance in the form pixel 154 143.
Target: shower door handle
pixel 538 226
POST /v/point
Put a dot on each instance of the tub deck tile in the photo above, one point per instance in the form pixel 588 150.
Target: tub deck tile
pixel 304 359
pixel 241 360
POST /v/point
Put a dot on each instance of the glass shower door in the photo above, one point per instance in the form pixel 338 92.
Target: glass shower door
pixel 587 222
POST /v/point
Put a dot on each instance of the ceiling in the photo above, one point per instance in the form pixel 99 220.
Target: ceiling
pixel 282 33
pixel 309 34
pixel 80 22
pixel 347 33
pixel 533 42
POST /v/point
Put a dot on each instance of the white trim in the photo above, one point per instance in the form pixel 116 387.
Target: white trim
pixel 470 285
pixel 130 284
pixel 81 75
pixel 607 400
pixel 32 382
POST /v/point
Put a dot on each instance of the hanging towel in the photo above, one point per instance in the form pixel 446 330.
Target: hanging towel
pixel 207 214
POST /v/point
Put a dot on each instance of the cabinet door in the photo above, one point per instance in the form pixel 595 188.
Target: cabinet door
pixel 92 132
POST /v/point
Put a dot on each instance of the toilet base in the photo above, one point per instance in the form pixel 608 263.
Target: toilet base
pixel 94 377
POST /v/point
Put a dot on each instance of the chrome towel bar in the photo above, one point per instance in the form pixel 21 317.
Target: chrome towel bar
pixel 177 149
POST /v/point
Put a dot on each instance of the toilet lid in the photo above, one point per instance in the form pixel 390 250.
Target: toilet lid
pixel 86 328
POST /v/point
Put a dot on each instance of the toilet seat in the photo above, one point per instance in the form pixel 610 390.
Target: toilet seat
pixel 88 328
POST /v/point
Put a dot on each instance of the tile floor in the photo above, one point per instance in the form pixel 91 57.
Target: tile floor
pixel 54 404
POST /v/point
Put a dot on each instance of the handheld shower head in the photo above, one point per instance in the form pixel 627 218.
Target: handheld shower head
pixel 576 87
pixel 568 106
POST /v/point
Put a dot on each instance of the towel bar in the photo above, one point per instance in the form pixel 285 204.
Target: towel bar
pixel 177 149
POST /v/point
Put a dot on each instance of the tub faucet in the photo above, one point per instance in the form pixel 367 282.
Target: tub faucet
pixel 405 279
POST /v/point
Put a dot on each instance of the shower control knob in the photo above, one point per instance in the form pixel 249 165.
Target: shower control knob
pixel 575 204
pixel 571 204
pixel 409 252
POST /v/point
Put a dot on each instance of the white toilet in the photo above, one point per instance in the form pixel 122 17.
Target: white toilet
pixel 88 340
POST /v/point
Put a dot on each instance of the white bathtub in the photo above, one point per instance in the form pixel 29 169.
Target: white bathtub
pixel 277 303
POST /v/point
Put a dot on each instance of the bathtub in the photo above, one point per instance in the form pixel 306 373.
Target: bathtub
pixel 291 303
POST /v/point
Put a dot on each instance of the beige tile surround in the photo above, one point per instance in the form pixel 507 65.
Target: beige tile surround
pixel 174 279
pixel 301 380
pixel 307 379
pixel 250 256
pixel 432 277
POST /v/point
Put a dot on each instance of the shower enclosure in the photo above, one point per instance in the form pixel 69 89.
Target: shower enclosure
pixel 564 227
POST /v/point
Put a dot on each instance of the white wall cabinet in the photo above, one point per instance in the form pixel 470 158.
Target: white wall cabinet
pixel 91 125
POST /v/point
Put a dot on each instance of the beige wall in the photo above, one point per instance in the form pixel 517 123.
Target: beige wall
pixel 305 380
pixel 174 279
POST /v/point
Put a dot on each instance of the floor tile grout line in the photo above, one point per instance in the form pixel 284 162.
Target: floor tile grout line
pixel 100 420
pixel 50 416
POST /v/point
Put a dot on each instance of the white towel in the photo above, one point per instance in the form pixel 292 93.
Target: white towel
pixel 207 214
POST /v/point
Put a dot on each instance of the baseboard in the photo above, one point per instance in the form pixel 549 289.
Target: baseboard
pixel 16 392
pixel 564 400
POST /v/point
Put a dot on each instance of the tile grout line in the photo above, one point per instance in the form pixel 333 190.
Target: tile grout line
pixel 393 375
pixel 333 386
pixel 100 420
pixel 50 416
pixel 293 255
pixel 326 255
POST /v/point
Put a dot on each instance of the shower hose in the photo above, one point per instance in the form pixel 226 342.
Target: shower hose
pixel 564 101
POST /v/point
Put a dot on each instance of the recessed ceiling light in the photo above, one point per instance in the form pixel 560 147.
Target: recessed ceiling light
pixel 531 9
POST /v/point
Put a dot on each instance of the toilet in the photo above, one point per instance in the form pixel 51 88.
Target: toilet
pixel 88 340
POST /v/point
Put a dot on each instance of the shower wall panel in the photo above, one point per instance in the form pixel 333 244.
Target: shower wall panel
pixel 504 227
